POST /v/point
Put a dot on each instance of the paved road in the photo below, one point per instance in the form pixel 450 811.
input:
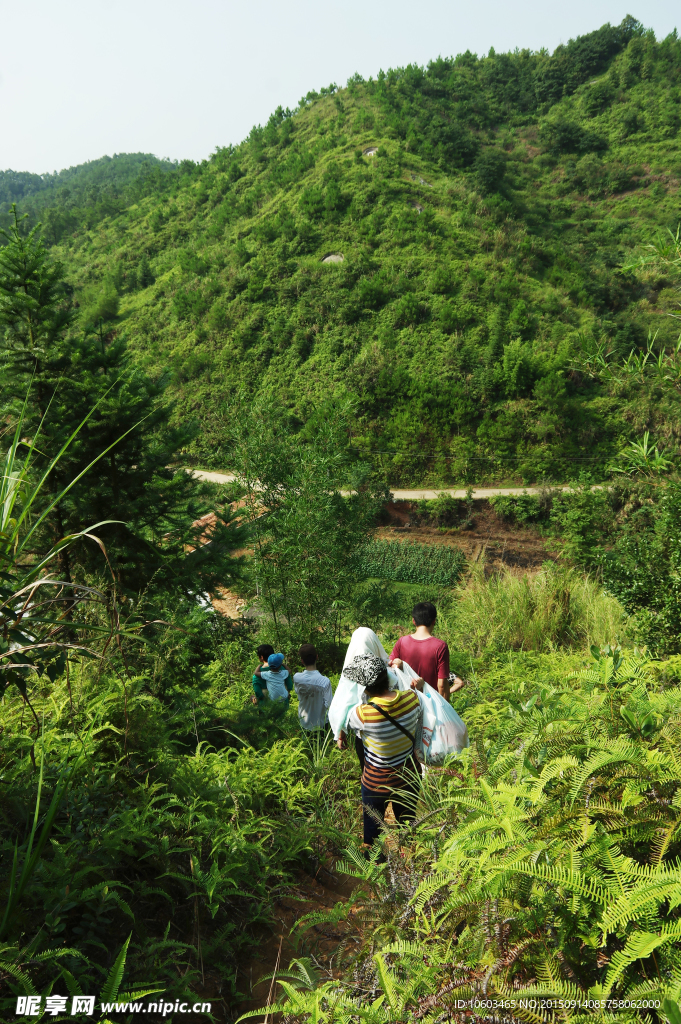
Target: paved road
pixel 402 494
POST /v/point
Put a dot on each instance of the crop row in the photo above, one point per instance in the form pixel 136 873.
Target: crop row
pixel 410 563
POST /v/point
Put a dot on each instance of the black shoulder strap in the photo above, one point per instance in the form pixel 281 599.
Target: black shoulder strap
pixel 391 719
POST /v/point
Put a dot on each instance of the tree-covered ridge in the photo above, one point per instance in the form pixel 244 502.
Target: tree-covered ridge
pixel 482 248
pixel 83 194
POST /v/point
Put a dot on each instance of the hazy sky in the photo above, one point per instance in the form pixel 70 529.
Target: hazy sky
pixel 81 78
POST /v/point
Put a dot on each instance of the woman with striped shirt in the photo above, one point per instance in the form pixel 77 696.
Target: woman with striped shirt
pixel 387 723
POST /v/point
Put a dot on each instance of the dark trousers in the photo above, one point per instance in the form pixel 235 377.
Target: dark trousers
pixel 405 790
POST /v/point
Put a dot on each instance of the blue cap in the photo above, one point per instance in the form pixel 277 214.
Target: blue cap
pixel 275 661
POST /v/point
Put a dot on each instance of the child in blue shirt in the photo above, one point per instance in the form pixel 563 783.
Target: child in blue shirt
pixel 259 685
pixel 276 676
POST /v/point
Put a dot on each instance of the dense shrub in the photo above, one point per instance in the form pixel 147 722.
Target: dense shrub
pixel 521 508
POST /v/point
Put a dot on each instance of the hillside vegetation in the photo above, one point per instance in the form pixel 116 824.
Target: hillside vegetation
pixel 83 195
pixel 482 248
pixel 153 815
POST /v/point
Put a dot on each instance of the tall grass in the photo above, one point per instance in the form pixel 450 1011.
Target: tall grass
pixel 554 609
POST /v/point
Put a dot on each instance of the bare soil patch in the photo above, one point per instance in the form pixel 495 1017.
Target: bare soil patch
pixel 278 947
pixel 489 536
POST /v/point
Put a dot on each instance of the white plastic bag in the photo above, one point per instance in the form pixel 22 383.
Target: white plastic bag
pixel 443 731
pixel 348 694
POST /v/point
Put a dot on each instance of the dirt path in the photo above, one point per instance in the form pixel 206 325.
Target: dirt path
pixel 406 494
pixel 278 947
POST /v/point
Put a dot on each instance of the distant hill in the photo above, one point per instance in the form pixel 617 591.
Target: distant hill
pixel 439 244
pixel 100 187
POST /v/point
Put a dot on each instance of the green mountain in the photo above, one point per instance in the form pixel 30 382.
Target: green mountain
pixel 440 244
pixel 81 196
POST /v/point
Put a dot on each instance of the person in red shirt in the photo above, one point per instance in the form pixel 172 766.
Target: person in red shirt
pixel 425 653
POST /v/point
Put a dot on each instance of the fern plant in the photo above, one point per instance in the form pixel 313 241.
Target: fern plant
pixel 548 862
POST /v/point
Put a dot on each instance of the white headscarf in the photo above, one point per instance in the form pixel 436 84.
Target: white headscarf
pixel 349 694
pixel 365 641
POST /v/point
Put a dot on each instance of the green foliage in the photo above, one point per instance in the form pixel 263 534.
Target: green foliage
pixel 171 835
pixel 543 865
pixel 100 303
pixel 521 508
pixel 304 531
pixel 481 251
pixel 445 511
pixel 642 566
pixel 626 534
pixel 641 458
pixel 89 192
pixel 70 378
pixel 43 616
pixel 429 564
pixel 555 608
pixel 584 518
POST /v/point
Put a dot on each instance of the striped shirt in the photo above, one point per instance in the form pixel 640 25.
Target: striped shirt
pixel 386 747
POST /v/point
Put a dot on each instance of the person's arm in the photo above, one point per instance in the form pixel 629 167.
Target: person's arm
pixel 259 688
pixel 417 684
pixel 328 694
pixel 258 671
pixel 394 661
pixel 354 722
pixel 288 682
pixel 443 672
pixel 455 682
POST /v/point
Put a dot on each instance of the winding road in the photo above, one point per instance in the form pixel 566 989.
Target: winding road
pixel 401 494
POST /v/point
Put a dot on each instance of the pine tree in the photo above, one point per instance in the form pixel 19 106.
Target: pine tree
pixel 69 375
pixel 145 277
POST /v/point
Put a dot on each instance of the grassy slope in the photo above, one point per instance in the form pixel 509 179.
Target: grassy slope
pixel 453 327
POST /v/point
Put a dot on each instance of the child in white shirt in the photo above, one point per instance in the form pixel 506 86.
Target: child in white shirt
pixel 313 691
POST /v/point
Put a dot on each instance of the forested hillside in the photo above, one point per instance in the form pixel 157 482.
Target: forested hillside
pixel 81 196
pixel 429 268
pixel 483 209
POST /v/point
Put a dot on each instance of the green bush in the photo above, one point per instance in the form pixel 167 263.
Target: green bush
pixel 521 508
pixel 444 511
pixel 642 567
pixel 584 518
pixel 100 302
pixel 185 808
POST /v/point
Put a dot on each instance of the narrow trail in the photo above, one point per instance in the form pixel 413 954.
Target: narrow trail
pixel 406 494
pixel 305 895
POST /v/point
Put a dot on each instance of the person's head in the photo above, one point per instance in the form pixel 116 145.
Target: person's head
pixel 308 655
pixel 424 614
pixel 275 661
pixel 369 671
pixel 380 685
pixel 264 652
